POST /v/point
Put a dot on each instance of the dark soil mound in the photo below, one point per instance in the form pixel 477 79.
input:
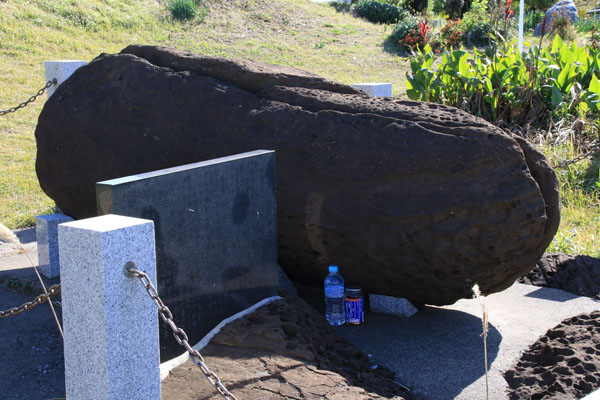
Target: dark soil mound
pixel 562 364
pixel 579 275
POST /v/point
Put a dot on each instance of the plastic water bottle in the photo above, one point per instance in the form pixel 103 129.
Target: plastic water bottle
pixel 334 297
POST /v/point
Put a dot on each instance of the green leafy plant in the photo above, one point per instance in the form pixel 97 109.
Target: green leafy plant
pixel 183 10
pixel 379 13
pixel 500 84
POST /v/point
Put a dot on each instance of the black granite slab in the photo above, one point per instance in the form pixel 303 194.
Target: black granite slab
pixel 216 236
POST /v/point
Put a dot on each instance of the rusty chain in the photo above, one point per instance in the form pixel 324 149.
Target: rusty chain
pixel 30 305
pixel 30 100
pixel 178 333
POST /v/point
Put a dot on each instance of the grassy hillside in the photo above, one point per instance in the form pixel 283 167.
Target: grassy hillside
pixel 295 33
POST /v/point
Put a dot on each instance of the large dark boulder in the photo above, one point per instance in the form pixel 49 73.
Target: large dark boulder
pixel 410 199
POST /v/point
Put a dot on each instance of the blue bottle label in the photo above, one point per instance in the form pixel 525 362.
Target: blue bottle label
pixel 334 291
pixel 355 313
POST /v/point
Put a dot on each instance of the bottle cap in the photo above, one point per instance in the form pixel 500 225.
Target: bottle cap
pixel 333 268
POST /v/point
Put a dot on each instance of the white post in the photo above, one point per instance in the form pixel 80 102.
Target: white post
pixel 521 12
pixel 110 322
pixel 61 70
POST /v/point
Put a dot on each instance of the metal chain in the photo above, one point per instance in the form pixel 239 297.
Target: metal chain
pixel 30 305
pixel 593 150
pixel 31 99
pixel 178 333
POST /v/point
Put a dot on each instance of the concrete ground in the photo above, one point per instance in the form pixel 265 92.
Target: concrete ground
pixel 438 352
pixel 32 349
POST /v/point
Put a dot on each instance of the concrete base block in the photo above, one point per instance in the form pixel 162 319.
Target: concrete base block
pixel 46 230
pixel 61 70
pixel 375 89
pixel 391 305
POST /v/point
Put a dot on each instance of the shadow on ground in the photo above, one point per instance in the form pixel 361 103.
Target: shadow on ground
pixel 427 350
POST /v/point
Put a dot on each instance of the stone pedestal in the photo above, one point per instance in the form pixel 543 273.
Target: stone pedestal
pixel 46 230
pixel 110 323
pixel 61 70
pixel 375 89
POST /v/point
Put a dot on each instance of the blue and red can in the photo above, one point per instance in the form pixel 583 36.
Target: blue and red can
pixel 355 311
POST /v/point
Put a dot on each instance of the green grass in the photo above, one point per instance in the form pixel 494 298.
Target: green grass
pixel 296 33
pixel 579 231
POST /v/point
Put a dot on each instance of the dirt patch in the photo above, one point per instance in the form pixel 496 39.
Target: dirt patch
pixel 284 350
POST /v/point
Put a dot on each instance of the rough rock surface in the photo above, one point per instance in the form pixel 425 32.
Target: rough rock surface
pixel 562 364
pixel 284 350
pixel 579 275
pixel 411 199
pixel 560 8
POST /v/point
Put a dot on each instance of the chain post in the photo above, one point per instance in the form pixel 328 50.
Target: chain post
pixel 30 305
pixel 31 99
pixel 179 334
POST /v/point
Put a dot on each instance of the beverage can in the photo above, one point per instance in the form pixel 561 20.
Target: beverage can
pixel 355 313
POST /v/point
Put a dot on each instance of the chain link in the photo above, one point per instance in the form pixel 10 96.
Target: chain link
pixel 178 333
pixel 592 150
pixel 30 305
pixel 31 99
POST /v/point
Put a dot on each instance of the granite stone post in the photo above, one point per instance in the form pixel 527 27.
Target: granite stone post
pixel 375 89
pixel 46 230
pixel 110 323
pixel 61 70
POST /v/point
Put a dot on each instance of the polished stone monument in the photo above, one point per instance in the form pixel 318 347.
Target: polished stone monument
pixel 216 236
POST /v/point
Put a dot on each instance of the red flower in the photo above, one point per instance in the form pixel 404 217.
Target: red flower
pixel 507 11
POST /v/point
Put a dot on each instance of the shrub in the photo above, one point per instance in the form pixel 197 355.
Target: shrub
pixel 403 28
pixel 412 33
pixel 476 23
pixel 455 9
pixel 540 5
pixel 183 10
pixel 417 6
pixel 379 13
pixel 531 19
pixel 395 3
pixel 451 34
pixel 439 7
